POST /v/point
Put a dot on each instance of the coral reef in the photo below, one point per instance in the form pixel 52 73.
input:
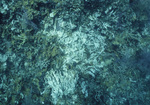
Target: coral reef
pixel 74 52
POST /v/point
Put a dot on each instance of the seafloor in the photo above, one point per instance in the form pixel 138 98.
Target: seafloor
pixel 74 52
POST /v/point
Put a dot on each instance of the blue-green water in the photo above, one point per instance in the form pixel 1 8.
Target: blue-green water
pixel 74 52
